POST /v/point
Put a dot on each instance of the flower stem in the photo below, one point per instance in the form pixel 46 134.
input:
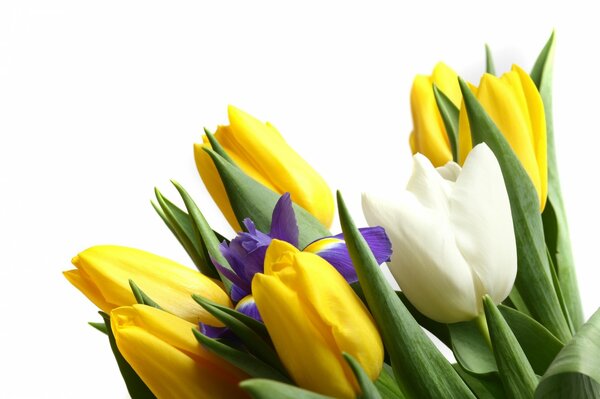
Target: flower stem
pixel 483 328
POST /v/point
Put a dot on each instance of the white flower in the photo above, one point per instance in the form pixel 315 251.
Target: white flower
pixel 452 235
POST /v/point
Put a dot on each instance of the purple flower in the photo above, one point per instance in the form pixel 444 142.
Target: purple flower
pixel 246 252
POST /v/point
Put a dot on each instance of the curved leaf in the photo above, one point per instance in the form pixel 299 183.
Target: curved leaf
pixel 259 388
pixel 575 372
pixel 517 376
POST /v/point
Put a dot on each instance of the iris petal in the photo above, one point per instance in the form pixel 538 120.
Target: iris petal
pixel 334 250
pixel 283 223
pixel 248 307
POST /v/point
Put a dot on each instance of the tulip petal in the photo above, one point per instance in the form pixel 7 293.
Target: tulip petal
pixel 162 350
pixel 537 117
pixel 428 186
pixel 426 261
pixel 429 135
pixel 283 223
pixel 305 304
pixel 109 268
pixel 504 101
pixel 334 250
pixel 83 283
pixel 482 222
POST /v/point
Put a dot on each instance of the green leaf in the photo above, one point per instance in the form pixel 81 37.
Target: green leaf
pixel 421 370
pixel 539 345
pixel 367 388
pixel 216 147
pixel 516 301
pixel 449 113
pixel 246 362
pixel 534 280
pixel 99 326
pixel 556 228
pixel 483 386
pixel 575 372
pixel 135 386
pixel 265 389
pixel 181 225
pixel 250 199
pixel 517 376
pixel 204 235
pixel 489 61
pixel 386 384
pixel 471 349
pixel 245 330
pixel 141 297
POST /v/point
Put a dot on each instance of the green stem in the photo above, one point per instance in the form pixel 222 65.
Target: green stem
pixel 483 328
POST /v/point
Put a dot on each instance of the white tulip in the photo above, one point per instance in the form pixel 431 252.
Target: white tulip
pixel 452 236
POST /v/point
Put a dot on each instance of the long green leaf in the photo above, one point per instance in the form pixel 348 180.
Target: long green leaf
pixel 180 223
pixel 250 199
pixel 449 113
pixel 534 280
pixel 253 341
pixel 386 384
pixel 517 376
pixel 575 372
pixel 266 389
pixel 539 345
pixel 367 388
pixel 483 386
pixel 99 326
pixel 246 362
pixel 225 312
pixel 556 228
pixel 204 235
pixel 135 386
pixel 141 297
pixel 489 61
pixel 421 370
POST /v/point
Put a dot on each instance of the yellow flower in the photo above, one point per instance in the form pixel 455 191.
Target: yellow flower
pixel 429 135
pixel 515 105
pixel 262 153
pixel 163 351
pixel 312 316
pixel 103 274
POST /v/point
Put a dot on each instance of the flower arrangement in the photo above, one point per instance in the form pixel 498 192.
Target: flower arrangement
pixel 478 243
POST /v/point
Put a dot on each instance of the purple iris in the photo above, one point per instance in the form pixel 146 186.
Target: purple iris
pixel 246 252
pixel 246 256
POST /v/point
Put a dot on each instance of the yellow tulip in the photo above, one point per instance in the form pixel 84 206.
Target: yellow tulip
pixel 262 153
pixel 515 105
pixel 163 351
pixel 429 135
pixel 102 274
pixel 312 316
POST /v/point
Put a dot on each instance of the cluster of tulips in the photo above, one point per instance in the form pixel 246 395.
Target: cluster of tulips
pixel 477 242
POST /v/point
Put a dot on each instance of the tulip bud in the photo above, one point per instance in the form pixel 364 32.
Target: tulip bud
pixel 262 153
pixel 515 105
pixel 452 235
pixel 429 135
pixel 313 316
pixel 103 274
pixel 163 351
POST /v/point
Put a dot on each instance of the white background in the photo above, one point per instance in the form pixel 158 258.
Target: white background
pixel 100 101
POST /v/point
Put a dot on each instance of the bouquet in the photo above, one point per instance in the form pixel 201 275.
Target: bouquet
pixel 478 242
